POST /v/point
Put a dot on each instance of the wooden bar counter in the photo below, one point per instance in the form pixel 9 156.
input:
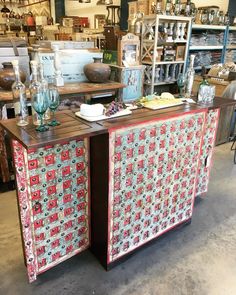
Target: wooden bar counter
pixel 69 90
pixel 112 185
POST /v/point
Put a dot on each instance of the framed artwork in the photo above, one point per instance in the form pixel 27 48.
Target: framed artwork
pixel 180 52
pixel 99 21
pixel 128 50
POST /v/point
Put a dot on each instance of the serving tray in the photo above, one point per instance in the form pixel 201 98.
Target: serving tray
pixel 162 106
pixel 103 117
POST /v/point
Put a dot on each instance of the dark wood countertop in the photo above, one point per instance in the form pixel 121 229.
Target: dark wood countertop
pixel 72 127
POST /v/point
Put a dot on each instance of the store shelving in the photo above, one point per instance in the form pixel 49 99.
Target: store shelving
pixel 207 43
pixel 164 49
pixel 230 46
pixel 207 47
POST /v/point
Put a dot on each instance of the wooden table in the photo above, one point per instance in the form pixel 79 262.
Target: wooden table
pixel 131 178
pixel 85 88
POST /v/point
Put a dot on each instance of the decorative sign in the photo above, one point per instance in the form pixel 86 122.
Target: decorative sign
pixel 110 57
pixel 129 50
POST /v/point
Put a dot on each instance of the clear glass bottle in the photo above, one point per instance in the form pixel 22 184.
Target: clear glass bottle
pixel 221 18
pixel 44 84
pixel 168 7
pixel 190 77
pixel 35 87
pixel 159 7
pixel 211 16
pixel 177 9
pixel 204 17
pixel 226 19
pixel 204 82
pixel 188 8
pixel 19 98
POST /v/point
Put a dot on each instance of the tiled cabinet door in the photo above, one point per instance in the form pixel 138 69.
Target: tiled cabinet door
pixel 209 138
pixel 153 170
pixel 52 184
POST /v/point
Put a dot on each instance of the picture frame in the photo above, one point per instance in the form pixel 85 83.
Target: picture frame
pixel 180 52
pixel 99 21
pixel 129 50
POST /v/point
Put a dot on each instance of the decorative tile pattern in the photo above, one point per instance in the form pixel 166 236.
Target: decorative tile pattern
pixel 153 169
pixel 53 195
pixel 209 137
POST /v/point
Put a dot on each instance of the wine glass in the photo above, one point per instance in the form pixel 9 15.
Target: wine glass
pixel 181 81
pixel 53 103
pixel 40 105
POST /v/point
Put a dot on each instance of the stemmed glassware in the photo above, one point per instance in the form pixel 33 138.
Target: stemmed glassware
pixel 181 81
pixel 53 103
pixel 40 105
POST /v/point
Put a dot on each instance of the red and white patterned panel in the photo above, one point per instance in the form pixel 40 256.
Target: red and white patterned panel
pixel 52 185
pixel 153 169
pixel 209 137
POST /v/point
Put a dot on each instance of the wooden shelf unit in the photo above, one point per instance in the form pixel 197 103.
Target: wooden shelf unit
pixel 150 45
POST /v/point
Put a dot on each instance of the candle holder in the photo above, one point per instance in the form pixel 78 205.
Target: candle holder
pixel 178 31
pixel 59 81
pixel 182 32
pixel 173 72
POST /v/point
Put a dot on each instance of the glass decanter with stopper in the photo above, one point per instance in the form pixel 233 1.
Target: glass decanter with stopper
pixel 19 98
pixel 44 84
pixel 190 77
pixel 168 7
pixel 188 8
pixel 204 82
pixel 177 7
pixel 37 91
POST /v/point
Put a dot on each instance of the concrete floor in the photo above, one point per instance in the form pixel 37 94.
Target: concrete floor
pixel 196 259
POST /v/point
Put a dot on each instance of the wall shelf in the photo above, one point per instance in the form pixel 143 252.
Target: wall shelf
pixel 208 27
pixel 229 47
pixel 164 62
pixel 154 44
pixel 200 67
pixel 161 83
pixel 207 47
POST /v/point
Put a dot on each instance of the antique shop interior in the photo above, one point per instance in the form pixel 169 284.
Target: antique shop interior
pixel 117 147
